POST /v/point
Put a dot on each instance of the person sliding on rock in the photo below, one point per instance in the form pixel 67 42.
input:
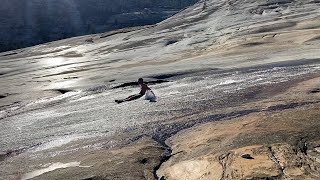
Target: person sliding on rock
pixel 145 90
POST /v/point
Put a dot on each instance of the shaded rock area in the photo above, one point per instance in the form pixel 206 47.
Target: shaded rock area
pixel 135 161
pixel 30 22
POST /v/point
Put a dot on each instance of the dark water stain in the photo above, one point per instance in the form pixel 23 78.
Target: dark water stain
pixel 94 178
pixel 171 42
pixel 280 107
pixel 184 73
pixel 135 83
pixel 253 44
pixel 277 2
pixel 2 96
pixel 314 91
pixel 9 54
pixel 71 77
pixel 284 64
pixel 15 152
pixel 166 76
pixel 219 71
pixel 62 91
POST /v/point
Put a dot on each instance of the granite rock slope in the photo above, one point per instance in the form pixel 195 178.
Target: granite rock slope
pixel 30 22
pixel 237 83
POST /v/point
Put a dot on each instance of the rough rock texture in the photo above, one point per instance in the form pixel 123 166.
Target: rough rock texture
pixel 281 145
pixel 134 161
pixel 240 98
pixel 29 22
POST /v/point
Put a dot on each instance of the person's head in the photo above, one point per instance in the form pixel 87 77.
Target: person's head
pixel 140 81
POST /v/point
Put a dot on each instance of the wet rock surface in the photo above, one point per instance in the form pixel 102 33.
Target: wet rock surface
pixel 236 78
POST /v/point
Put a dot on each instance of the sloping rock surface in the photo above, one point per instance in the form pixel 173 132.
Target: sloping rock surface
pixel 26 23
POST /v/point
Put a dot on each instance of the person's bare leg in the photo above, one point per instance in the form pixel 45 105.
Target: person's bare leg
pixel 130 98
pixel 133 97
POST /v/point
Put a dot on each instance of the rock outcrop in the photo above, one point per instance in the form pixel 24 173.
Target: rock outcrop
pixel 272 145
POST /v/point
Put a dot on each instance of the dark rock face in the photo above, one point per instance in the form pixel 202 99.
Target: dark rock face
pixel 29 22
